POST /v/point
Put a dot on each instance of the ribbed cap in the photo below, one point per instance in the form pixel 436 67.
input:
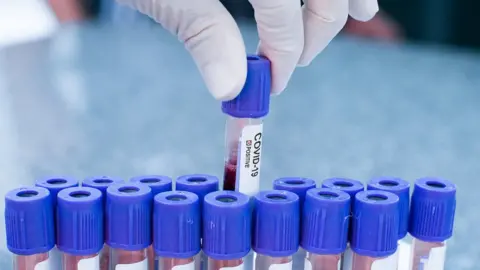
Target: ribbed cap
pixel 80 221
pixel 402 189
pixel 254 99
pixel 226 225
pixel 349 186
pixel 101 183
pixel 176 224
pixel 129 216
pixel 55 184
pixel 276 223
pixel 29 221
pixel 297 185
pixel 375 223
pixel 158 183
pixel 432 212
pixel 325 218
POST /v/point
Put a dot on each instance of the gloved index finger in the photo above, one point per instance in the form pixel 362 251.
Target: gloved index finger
pixel 280 29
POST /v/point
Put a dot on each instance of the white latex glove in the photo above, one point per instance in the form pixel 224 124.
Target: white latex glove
pixel 290 35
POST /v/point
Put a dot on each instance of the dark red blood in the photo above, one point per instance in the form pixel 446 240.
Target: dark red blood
pixel 230 176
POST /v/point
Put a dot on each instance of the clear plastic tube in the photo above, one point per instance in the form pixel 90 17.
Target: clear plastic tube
pixel 176 263
pixel 225 264
pixel 263 262
pixel 360 262
pixel 75 262
pixel 32 262
pixel 427 255
pixel 243 141
pixel 135 260
pixel 322 261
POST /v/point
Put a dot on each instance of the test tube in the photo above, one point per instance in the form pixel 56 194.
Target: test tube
pixel 29 228
pixel 432 216
pixel 80 228
pixel 299 186
pixel 402 189
pixel 102 183
pixel 158 184
pixel 55 184
pixel 325 227
pixel 128 218
pixel 201 185
pixel 244 128
pixel 276 229
pixel 226 229
pixel 374 232
pixel 177 230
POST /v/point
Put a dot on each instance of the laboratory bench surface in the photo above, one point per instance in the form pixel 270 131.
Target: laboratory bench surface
pixel 124 101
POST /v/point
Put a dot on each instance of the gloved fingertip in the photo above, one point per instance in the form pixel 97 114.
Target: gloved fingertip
pixel 363 10
pixel 223 83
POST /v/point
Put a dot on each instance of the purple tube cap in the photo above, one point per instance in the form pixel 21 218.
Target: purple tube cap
pixel 29 221
pixel 375 223
pixel 128 216
pixel 80 221
pixel 254 99
pixel 56 183
pixel 226 225
pixel 101 182
pixel 432 210
pixel 402 189
pixel 200 184
pixel 326 214
pixel 347 185
pixel 158 183
pixel 276 223
pixel 297 185
pixel 176 222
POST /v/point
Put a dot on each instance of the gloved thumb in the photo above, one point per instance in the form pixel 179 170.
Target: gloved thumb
pixel 210 35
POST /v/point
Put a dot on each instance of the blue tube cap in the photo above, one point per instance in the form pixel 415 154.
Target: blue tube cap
pixel 325 218
pixel 55 184
pixel 80 221
pixel 158 183
pixel 276 223
pixel 200 184
pixel 226 225
pixel 297 185
pixel 29 221
pixel 432 212
pixel 101 183
pixel 254 99
pixel 176 224
pixel 402 189
pixel 375 223
pixel 129 216
pixel 349 186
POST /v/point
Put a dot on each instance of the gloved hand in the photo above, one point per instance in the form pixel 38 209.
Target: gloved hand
pixel 290 35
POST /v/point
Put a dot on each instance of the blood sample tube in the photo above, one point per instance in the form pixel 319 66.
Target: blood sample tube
pixel 226 229
pixel 374 232
pixel 276 229
pixel 244 128
pixel 299 186
pixel 158 184
pixel 102 183
pixel 324 234
pixel 29 227
pixel 432 216
pixel 176 230
pixel 128 218
pixel 80 228
pixel 402 189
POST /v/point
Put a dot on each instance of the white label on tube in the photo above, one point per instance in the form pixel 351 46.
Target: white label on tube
pixel 390 262
pixel 89 264
pixel 45 265
pixel 283 266
pixel 239 267
pixel 188 266
pixel 143 265
pixel 435 260
pixel 248 168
